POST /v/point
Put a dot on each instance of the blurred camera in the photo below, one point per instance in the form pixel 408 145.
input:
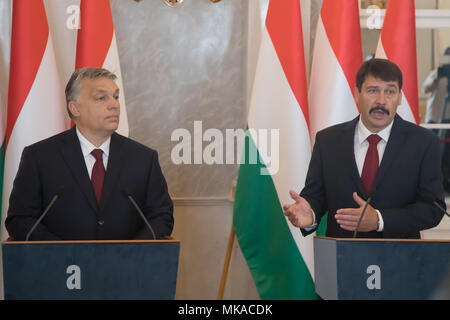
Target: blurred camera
pixel 444 69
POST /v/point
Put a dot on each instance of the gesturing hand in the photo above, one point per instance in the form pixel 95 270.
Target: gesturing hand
pixel 348 218
pixel 299 213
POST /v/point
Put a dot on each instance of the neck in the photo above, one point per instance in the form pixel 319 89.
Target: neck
pixel 373 129
pixel 97 139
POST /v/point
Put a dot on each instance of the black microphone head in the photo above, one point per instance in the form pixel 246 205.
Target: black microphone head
pixel 125 193
pixel 427 197
pixel 60 190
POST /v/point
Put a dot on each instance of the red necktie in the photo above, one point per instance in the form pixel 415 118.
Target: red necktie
pixel 370 167
pixel 98 174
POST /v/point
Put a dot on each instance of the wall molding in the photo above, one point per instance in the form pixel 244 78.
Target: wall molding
pixel 202 201
pixel 425 18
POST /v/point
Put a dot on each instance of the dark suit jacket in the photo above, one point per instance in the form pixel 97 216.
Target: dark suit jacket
pixel 57 163
pixel 410 169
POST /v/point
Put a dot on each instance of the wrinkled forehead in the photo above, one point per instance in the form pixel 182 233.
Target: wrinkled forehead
pixel 372 81
pixel 99 85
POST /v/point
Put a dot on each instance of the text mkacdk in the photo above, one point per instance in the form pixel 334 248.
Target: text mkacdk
pixel 243 309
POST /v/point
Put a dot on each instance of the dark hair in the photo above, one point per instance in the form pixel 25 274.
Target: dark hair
pixel 73 86
pixel 381 69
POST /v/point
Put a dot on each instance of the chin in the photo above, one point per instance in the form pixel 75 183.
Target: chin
pixel 113 125
pixel 111 129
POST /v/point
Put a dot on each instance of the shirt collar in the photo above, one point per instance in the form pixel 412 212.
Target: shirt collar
pixel 363 132
pixel 87 146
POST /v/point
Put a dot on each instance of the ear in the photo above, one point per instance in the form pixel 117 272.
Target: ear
pixel 400 98
pixel 357 94
pixel 73 107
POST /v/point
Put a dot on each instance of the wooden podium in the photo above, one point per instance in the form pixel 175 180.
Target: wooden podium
pixel 90 269
pixel 379 268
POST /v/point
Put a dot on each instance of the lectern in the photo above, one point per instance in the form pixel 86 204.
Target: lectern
pixel 90 269
pixel 379 268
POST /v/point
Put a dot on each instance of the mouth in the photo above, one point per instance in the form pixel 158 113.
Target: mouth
pixel 112 118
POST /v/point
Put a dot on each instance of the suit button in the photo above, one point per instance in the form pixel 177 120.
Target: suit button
pixel 100 222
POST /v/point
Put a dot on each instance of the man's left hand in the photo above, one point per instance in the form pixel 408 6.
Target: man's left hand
pixel 348 218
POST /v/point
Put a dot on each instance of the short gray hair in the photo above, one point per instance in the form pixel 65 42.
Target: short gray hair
pixel 73 86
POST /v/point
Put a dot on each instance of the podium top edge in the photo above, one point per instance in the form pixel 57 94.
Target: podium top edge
pixel 381 240
pixel 90 241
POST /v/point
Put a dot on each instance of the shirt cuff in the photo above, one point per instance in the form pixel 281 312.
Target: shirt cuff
pixel 380 221
pixel 314 224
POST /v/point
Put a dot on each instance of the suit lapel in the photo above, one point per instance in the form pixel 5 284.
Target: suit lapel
pixel 349 154
pixel 393 148
pixel 115 164
pixel 73 156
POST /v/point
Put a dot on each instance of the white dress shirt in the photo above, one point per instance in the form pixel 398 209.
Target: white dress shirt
pixel 361 145
pixel 86 149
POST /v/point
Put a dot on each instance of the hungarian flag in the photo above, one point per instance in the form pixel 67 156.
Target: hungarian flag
pixel 36 104
pixel 398 44
pixel 279 257
pixel 97 47
pixel 2 149
pixel 336 59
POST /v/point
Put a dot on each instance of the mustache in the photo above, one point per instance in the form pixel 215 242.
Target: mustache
pixel 379 107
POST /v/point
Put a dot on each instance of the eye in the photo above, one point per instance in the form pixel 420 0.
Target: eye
pixel 101 98
pixel 390 92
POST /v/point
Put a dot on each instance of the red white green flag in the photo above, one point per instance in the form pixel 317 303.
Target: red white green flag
pixel 398 44
pixel 337 57
pixel 36 104
pixel 279 257
pixel 97 47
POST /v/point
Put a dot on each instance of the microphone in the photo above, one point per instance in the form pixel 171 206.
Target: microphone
pixel 369 200
pixel 428 197
pixel 128 195
pixel 59 192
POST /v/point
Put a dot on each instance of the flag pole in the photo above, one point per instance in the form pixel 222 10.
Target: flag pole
pixel 226 264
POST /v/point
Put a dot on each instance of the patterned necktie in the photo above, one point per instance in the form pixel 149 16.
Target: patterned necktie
pixel 98 174
pixel 371 161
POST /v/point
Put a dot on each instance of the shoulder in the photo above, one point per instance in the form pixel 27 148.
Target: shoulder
pixel 337 130
pixel 133 147
pixel 51 143
pixel 415 132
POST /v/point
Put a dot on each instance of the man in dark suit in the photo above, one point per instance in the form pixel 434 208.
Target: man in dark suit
pixel 377 155
pixel 93 170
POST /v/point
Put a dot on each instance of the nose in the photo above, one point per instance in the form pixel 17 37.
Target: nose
pixel 115 104
pixel 381 98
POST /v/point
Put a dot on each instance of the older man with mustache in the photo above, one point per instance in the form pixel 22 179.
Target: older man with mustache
pixel 378 155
